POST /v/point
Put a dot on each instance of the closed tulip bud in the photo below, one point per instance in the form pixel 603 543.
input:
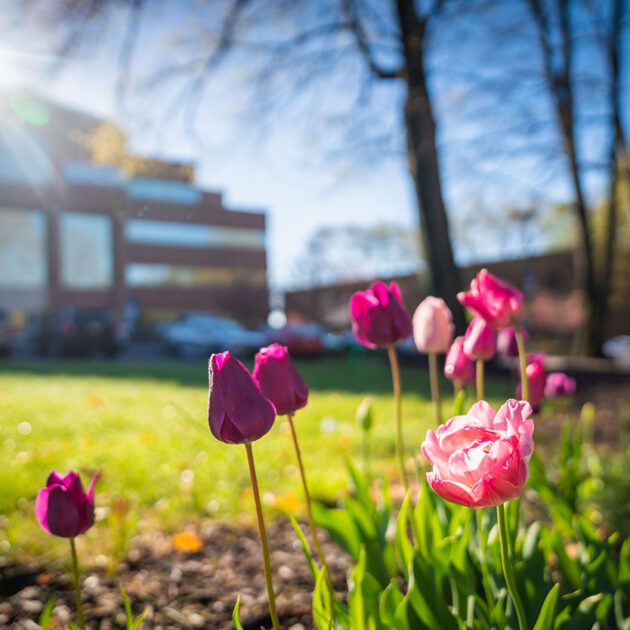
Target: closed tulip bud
pixel 498 302
pixel 379 317
pixel 480 341
pixel 481 459
pixel 63 508
pixel 457 366
pixel 537 377
pixel 279 379
pixel 559 384
pixel 507 345
pixel 238 412
pixel 364 414
pixel 433 326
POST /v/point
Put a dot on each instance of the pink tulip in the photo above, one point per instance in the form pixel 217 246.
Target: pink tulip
pixel 480 341
pixel 457 366
pixel 481 459
pixel 238 412
pixel 279 379
pixel 63 508
pixel 499 303
pixel 559 384
pixel 379 317
pixel 433 326
pixel 506 342
pixel 536 376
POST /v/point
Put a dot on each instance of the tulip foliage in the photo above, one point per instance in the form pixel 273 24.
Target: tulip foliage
pixel 459 547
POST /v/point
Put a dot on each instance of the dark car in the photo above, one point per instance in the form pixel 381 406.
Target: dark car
pixel 6 334
pixel 76 332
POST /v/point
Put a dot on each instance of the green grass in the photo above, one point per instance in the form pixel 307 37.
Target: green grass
pixel 143 429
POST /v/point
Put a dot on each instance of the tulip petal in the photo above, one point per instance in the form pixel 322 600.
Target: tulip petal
pixel 451 490
pixel 64 516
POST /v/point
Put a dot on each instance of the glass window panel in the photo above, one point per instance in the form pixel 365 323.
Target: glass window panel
pixel 23 249
pixel 170 233
pixel 160 275
pixel 163 190
pixel 86 250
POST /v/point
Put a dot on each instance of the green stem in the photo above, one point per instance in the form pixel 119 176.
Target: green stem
pixel 307 497
pixel 366 455
pixel 77 584
pixel 480 380
pixel 434 378
pixel 522 359
pixel 483 558
pixel 510 580
pixel 400 453
pixel 263 538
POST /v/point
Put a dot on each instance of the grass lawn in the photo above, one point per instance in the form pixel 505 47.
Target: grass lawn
pixel 142 427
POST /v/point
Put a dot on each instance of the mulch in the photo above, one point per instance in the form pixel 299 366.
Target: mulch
pixel 179 589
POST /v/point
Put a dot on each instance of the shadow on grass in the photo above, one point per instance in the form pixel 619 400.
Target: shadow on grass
pixel 360 373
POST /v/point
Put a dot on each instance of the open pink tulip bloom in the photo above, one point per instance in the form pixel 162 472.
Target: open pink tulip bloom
pixel 238 412
pixel 498 302
pixel 63 508
pixel 433 326
pixel 379 317
pixel 481 459
pixel 279 379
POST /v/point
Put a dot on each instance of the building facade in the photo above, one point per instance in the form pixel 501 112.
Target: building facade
pixel 127 231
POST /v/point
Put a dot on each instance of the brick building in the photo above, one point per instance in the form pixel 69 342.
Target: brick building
pixel 83 222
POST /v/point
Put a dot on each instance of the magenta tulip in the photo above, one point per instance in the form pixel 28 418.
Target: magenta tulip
pixel 537 377
pixel 481 459
pixel 498 302
pixel 279 379
pixel 559 384
pixel 379 317
pixel 507 345
pixel 238 412
pixel 433 326
pixel 480 341
pixel 63 508
pixel 458 367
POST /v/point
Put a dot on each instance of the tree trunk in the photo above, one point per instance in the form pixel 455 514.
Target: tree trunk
pixel 444 279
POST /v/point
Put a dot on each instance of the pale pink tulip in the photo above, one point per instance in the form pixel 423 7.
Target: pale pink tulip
pixel 433 326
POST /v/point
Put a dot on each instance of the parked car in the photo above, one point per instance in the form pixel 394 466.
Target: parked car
pixel 6 334
pixel 303 340
pixel 618 349
pixel 74 331
pixel 196 334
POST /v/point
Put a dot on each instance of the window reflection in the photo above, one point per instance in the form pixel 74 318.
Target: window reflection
pixel 160 275
pixel 22 249
pixel 192 235
pixel 86 250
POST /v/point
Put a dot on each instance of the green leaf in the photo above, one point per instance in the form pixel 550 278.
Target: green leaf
pixel 547 615
pixel 132 624
pixel 306 548
pixel 46 616
pixel 363 598
pixel 341 526
pixel 235 620
pixel 390 600
pixel 404 548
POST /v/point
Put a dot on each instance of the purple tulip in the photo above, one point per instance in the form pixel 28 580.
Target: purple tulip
pixel 279 379
pixel 63 508
pixel 379 317
pixel 480 341
pixel 559 384
pixel 506 342
pixel 238 412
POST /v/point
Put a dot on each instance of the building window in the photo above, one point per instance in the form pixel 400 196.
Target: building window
pixel 23 249
pixel 86 251
pixel 174 234
pixel 160 275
